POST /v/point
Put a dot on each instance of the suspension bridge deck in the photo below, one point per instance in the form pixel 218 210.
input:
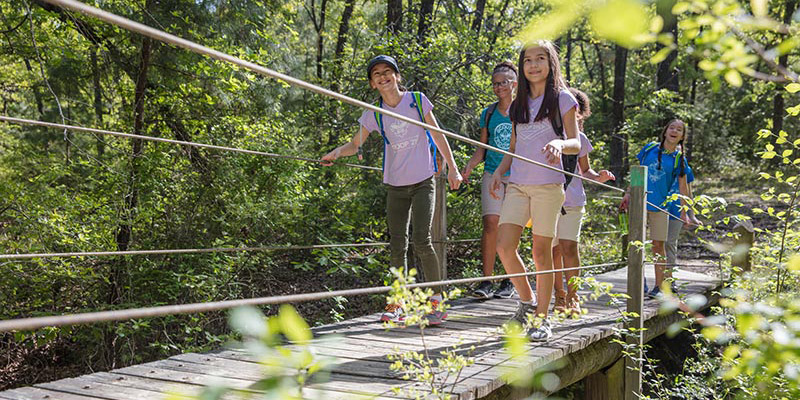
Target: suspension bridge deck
pixel 362 367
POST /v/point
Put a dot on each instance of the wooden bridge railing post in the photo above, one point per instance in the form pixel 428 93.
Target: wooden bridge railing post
pixel 439 228
pixel 637 213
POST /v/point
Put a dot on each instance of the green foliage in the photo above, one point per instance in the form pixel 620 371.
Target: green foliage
pixel 287 368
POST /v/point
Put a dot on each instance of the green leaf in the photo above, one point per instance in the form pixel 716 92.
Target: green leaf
pixel 793 87
pixel 249 321
pixel 293 325
pixel 661 55
pixel 625 22
pixel 733 77
pixel 551 25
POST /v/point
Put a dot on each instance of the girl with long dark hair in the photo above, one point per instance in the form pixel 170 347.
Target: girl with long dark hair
pixel 544 126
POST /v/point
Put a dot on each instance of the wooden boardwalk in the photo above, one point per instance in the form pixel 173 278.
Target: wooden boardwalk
pixel 362 367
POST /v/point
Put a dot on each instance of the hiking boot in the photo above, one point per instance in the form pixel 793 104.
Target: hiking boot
pixel 437 316
pixel 393 313
pixel 521 315
pixel 483 291
pixel 506 290
pixel 542 333
pixel 561 302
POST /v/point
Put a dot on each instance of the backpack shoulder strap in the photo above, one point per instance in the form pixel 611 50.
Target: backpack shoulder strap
pixel 418 105
pixel 379 120
pixel 488 116
pixel 651 146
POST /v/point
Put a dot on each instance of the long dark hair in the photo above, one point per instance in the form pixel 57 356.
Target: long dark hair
pixel 520 112
pixel 584 106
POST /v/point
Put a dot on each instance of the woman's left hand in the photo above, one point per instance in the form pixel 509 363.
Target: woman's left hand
pixel 552 151
pixel 605 176
pixel 454 177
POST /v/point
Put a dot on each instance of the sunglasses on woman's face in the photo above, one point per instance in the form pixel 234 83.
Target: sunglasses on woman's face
pixel 501 83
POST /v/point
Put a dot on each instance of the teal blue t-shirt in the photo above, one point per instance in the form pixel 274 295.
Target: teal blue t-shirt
pixel 499 136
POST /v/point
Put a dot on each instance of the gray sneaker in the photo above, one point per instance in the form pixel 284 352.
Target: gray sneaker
pixel 541 334
pixel 483 291
pixel 521 315
pixel 506 290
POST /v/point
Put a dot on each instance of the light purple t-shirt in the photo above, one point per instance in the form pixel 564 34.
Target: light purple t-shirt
pixel 531 139
pixel 575 196
pixel 407 157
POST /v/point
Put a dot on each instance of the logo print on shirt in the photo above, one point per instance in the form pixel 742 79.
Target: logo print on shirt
pixel 529 132
pixel 654 173
pixel 502 135
pixel 401 138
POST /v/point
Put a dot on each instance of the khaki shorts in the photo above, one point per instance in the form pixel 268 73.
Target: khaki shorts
pixel 569 224
pixel 540 203
pixel 658 224
pixel 490 205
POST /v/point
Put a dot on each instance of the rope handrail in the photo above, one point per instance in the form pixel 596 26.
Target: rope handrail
pixel 26 324
pixel 28 256
pixel 24 256
pixel 218 55
pixel 22 121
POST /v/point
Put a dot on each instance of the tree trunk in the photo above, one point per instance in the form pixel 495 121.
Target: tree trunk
pixel 619 142
pixel 480 6
pixel 602 66
pixel 341 39
pixel 319 25
pixel 98 99
pixel 123 237
pixel 568 59
pixel 394 16
pixel 586 63
pixel 778 103
pixel 667 76
pixel 687 148
pixel 425 19
pixel 498 26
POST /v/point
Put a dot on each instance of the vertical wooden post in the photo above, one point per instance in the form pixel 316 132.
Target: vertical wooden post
pixel 637 213
pixel 605 384
pixel 744 242
pixel 439 228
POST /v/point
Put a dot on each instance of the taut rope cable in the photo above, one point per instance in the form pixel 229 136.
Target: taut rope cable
pixel 183 251
pixel 158 139
pixel 147 312
pixel 200 49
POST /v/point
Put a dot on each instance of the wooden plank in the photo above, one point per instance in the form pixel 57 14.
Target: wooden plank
pixel 34 393
pixel 87 387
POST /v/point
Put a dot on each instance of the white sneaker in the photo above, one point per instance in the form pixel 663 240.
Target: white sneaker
pixel 542 333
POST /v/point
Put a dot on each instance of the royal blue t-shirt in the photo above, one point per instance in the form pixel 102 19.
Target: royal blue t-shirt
pixel 660 178
pixel 499 130
pixel 674 207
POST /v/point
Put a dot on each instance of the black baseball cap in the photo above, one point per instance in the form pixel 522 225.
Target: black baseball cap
pixel 388 60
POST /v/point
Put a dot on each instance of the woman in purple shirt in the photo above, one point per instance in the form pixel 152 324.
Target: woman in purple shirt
pixel 535 192
pixel 408 169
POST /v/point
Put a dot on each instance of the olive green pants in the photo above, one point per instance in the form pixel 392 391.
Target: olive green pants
pixel 414 204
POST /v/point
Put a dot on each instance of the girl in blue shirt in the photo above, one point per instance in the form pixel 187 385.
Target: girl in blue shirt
pixel 665 165
pixel 495 127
